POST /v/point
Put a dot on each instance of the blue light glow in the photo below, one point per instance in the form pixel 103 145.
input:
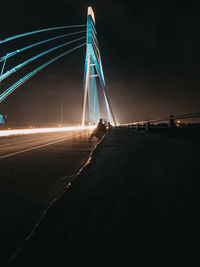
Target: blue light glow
pixel 93 66
pixel 93 101
pixel 19 66
pixel 38 31
pixel 93 69
pixel 36 44
pixel 2 120
pixel 12 88
pixel 3 67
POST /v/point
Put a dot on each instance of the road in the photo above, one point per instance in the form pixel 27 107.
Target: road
pixel 137 205
pixel 35 170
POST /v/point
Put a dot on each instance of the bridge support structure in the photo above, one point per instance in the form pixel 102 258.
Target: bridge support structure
pixel 93 70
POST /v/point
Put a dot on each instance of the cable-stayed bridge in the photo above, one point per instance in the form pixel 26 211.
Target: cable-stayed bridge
pixel 46 157
pixel 134 163
pixel 83 35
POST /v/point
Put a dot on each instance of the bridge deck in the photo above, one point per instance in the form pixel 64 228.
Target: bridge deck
pixel 138 200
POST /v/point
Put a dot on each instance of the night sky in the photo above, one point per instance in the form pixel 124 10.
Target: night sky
pixel 150 53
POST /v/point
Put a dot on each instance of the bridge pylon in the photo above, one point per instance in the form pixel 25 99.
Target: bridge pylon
pixel 93 70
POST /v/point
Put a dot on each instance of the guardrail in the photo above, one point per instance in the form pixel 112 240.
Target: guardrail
pixel 157 123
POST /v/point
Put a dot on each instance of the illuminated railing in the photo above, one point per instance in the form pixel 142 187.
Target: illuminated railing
pixel 164 122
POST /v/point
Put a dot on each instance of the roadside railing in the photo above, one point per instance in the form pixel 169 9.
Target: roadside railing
pixel 178 121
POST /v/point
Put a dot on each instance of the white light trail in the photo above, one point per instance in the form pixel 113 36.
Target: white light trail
pixel 43 130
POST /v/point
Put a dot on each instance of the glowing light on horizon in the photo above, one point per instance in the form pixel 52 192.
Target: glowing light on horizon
pixel 44 130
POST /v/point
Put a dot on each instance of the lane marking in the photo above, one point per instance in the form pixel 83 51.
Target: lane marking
pixel 37 147
pixel 25 141
pixel 31 140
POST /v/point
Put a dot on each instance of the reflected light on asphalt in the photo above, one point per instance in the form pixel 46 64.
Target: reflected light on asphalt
pixel 43 130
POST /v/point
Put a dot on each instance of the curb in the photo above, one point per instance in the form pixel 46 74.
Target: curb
pixel 55 202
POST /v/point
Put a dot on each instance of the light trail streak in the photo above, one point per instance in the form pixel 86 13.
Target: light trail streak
pixel 36 44
pixel 43 130
pixel 38 31
pixel 19 66
pixel 13 87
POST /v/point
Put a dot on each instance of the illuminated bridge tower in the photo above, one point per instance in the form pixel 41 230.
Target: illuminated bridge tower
pixel 93 70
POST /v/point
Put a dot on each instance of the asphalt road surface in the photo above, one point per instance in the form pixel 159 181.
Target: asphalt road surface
pixel 136 204
pixel 34 170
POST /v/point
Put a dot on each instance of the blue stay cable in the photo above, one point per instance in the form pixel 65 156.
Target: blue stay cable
pixel 12 88
pixel 8 55
pixel 38 31
pixel 19 66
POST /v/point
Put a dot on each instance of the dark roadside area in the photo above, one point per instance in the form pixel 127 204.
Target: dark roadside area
pixel 136 203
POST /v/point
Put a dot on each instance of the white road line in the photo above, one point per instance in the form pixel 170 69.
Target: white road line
pixel 36 147
pixel 25 141
pixel 31 140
